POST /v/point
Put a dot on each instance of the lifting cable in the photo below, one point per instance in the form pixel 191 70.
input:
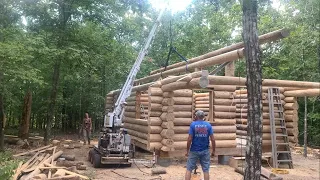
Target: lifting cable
pixel 172 49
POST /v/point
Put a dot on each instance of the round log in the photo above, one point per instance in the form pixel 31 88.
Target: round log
pixel 272 36
pixel 155 99
pixel 202 109
pixel 168 109
pixel 167 133
pixel 183 93
pixel 168 94
pixel 167 125
pixel 130 108
pixel 167 149
pixel 130 103
pixel 168 102
pixel 291 106
pixel 130 114
pixel 130 120
pixel 229 56
pixel 225 102
pixel 44 176
pixel 302 93
pixel 224 108
pixel 225 115
pixel 180 145
pixel 267 129
pixel 144 99
pixel 202 98
pixel 170 116
pixel 217 136
pixel 182 107
pixel 139 139
pixel 154 121
pixel 267 122
pixel 245 101
pixel 182 121
pixel 131 98
pixel 154 91
pixel 265 115
pixel 222 95
pixel 228 88
pixel 291 118
pixel 167 142
pixel 200 95
pixel 290 99
pixel 154 113
pixel 154 145
pixel 138 134
pixel 145 104
pixel 139 128
pixel 183 114
pixel 174 86
pixel 216 129
pixel 202 102
pixel 223 122
pixel 291 112
pixel 163 116
pixel 154 138
pixel 154 129
pixel 202 105
pixel 155 107
pixel 182 100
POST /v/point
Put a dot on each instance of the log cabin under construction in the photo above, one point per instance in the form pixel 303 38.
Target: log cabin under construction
pixel 162 105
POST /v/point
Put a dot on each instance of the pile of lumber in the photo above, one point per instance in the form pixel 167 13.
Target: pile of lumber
pixel 43 165
pixel 11 139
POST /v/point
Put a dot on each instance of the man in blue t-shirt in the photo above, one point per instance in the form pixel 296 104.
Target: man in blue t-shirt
pixel 199 134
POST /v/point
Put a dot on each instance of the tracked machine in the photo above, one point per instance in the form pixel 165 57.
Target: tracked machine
pixel 114 145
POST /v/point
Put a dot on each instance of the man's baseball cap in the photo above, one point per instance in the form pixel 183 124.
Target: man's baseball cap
pixel 200 113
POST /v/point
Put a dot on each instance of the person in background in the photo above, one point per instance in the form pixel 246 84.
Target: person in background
pixel 198 145
pixel 86 128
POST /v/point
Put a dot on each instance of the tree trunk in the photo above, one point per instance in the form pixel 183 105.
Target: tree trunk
pixel 52 103
pixel 26 114
pixel 254 88
pixel 2 116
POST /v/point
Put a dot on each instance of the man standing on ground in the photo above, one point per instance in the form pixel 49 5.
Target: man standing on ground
pixel 199 134
pixel 86 128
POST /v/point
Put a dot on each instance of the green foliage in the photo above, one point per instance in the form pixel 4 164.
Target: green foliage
pixel 7 165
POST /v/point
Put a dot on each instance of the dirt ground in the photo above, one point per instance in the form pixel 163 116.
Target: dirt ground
pixel 304 168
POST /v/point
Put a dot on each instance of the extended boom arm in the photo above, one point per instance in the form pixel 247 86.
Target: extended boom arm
pixel 114 119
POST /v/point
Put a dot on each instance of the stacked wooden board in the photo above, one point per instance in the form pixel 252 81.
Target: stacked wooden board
pixel 43 165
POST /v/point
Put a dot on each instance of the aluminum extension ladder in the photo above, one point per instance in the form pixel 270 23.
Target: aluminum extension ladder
pixel 281 152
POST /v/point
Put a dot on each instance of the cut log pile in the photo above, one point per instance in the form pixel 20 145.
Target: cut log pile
pixel 43 165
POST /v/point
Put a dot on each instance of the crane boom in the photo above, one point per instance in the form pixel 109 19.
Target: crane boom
pixel 114 119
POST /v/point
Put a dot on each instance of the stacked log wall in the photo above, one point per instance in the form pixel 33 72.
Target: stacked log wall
pixel 290 116
pixel 224 113
pixel 154 122
pixel 183 101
